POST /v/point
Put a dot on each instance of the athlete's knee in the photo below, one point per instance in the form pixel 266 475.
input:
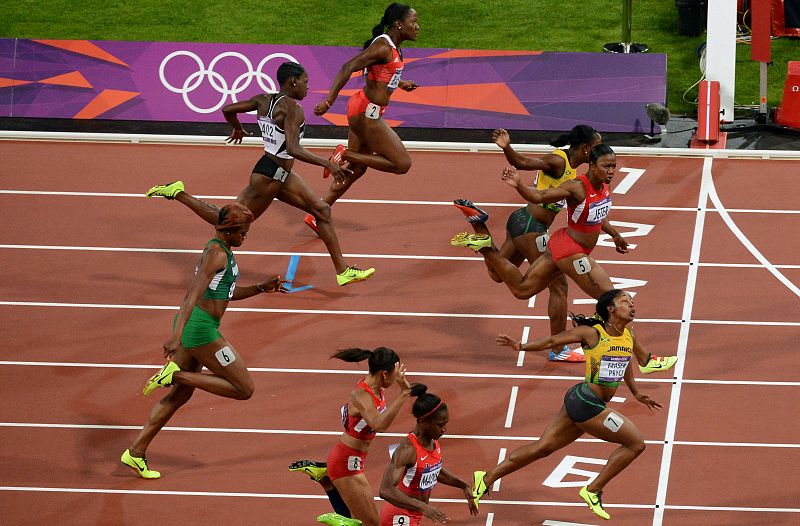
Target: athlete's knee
pixel 494 276
pixel 245 390
pixel 321 211
pixel 521 294
pixel 637 446
pixel 403 165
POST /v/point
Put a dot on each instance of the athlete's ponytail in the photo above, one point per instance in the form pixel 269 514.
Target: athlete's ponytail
pixel 427 405
pixel 394 12
pixel 381 359
pixel 579 135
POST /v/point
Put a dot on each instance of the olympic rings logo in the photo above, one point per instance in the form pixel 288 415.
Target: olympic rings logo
pixel 217 81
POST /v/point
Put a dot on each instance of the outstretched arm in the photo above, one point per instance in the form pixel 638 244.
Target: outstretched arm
pixel 567 190
pixel 582 334
pixel 640 397
pixel 231 111
pixel 379 52
pixel 273 284
pixel 619 241
pixel 550 164
pixel 293 117
pixel 449 479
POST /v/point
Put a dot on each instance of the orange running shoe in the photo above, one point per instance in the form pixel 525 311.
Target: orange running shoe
pixel 312 223
pixel 337 157
pixel 470 211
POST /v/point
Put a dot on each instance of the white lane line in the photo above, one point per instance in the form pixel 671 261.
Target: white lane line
pixel 439 374
pixel 376 313
pixel 512 403
pixel 683 339
pixel 489 519
pixel 320 497
pixel 314 432
pixel 521 357
pixel 712 193
pixel 500 458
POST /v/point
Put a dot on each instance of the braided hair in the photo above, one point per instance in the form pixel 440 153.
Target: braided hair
pixel 601 316
pixel 381 359
pixel 580 134
pixel 394 12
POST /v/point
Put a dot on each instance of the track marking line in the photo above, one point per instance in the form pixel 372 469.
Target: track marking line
pixel 712 193
pixel 512 403
pixel 521 356
pixel 500 458
pixel 683 341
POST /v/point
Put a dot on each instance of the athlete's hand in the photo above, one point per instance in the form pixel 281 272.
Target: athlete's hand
pixel 621 244
pixel 322 107
pixel 275 284
pixel 508 341
pixel 407 85
pixel 435 514
pixel 510 176
pixel 649 402
pixel 401 377
pixel 339 172
pixel 473 509
pixel 501 138
pixel 237 135
pixel 171 346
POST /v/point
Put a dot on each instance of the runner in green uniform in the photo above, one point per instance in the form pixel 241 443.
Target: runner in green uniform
pixel 196 342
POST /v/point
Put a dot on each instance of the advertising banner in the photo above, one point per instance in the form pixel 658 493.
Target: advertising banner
pixel 191 82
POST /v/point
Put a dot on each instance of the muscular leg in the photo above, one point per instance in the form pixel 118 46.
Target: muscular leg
pixel 526 244
pixel 357 494
pixel 390 154
pixel 230 381
pixel 560 432
pixel 594 283
pixel 257 196
pixel 337 189
pixel 167 406
pixel 507 251
pixel 299 194
pixel 627 435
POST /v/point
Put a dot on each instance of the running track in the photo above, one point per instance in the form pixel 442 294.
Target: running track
pixel 94 272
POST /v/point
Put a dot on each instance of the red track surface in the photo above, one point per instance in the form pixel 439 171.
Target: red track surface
pixel 84 329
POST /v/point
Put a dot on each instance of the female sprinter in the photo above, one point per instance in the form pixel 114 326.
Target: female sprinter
pixel 195 340
pixel 416 467
pixel 609 345
pixel 526 228
pixel 363 416
pixel 588 200
pixel 282 124
pixel 370 141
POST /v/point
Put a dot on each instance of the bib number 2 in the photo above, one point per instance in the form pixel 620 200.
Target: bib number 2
pixel 373 111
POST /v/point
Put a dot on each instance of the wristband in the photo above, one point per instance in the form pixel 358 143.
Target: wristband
pixel 259 287
pixel 328 104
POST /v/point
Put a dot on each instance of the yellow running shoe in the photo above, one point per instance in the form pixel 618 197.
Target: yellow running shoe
pixel 479 488
pixel 594 501
pixel 353 275
pixel 316 470
pixel 472 241
pixel 162 378
pixel 139 465
pixel 334 519
pixel 169 190
pixel 658 364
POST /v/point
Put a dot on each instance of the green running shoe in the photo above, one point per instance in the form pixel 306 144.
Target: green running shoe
pixel 658 364
pixel 353 275
pixel 474 242
pixel 162 378
pixel 479 488
pixel 139 465
pixel 334 519
pixel 316 470
pixel 169 190
pixel 594 501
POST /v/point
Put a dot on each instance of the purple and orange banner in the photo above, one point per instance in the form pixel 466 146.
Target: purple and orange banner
pixel 191 82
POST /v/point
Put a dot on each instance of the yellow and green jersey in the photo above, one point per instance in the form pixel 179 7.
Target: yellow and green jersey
pixel 606 362
pixel 543 181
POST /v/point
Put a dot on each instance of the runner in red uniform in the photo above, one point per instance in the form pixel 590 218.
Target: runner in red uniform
pixel 371 142
pixel 364 415
pixel 416 467
pixel 588 204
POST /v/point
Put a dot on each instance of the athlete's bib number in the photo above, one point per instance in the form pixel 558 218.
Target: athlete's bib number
pixel 400 520
pixel 267 132
pixel 373 111
pixel 598 211
pixel 541 242
pixel 354 463
pixel 612 368
pixel 395 80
